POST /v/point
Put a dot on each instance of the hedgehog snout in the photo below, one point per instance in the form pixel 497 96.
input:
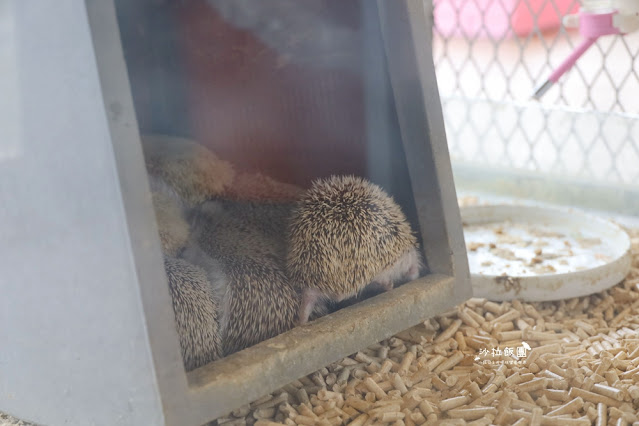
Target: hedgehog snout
pixel 406 268
pixel 415 266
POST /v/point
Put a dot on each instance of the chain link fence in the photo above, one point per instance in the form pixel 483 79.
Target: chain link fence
pixel 490 55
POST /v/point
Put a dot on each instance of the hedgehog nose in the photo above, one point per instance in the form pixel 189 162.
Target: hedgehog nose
pixel 414 272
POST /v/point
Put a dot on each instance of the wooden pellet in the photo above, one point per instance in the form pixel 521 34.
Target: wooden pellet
pixel 271 402
pixel 330 379
pixel 544 349
pixel 621 422
pixel 288 410
pixel 608 391
pixel 565 421
pixel 635 353
pixel 503 408
pixel 426 409
pixel 398 383
pixel 382 352
pixel 262 400
pixel 535 418
pixel 390 417
pixel 474 389
pixel 373 367
pixel 362 357
pixel 461 342
pixel 602 414
pixel 358 404
pixel 487 399
pixel 514 379
pixel 408 420
pixel 399 350
pixel 449 332
pixel 475 343
pixel 350 411
pixel 395 394
pixel 452 380
pixel 388 408
pixel 508 316
pixel 493 307
pixel 543 402
pixel 359 373
pixel 387 365
pixel 568 408
pixel 450 403
pixel 325 395
pixel 471 413
pixel 385 385
pixel 630 373
pixel 359 420
pixel 556 395
pixel 306 411
pixel 344 375
pixel 550 375
pixel 373 387
pixel 305 420
pixel 242 411
pixel 593 397
pixel 561 372
pixel 518 403
pixel 419 418
pixel 450 362
pixel 411 400
pixel 467 318
pixel 535 384
pixel 633 391
pixel 439 383
pixel 406 362
pixel 617 413
pixel 264 413
pixel 433 363
pixel 478 318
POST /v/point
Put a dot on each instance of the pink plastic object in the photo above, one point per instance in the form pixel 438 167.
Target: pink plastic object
pixel 591 26
pixel 498 19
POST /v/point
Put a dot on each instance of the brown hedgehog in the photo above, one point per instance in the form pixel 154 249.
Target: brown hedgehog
pixel 195 313
pixel 246 243
pixel 260 188
pixel 344 234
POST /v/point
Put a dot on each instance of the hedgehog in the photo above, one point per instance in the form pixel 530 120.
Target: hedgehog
pixel 246 243
pixel 170 215
pixel 195 313
pixel 257 187
pixel 194 171
pixel 344 234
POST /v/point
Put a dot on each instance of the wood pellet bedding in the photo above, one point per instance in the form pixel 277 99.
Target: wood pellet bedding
pixel 572 362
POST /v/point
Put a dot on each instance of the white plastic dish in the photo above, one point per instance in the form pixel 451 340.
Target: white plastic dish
pixel 536 254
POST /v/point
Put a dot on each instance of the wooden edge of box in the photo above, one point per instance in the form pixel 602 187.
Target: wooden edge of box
pixel 221 386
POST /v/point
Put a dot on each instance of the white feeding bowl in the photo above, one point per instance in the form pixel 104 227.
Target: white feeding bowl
pixel 537 254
